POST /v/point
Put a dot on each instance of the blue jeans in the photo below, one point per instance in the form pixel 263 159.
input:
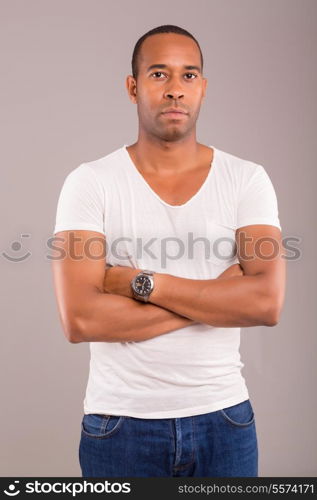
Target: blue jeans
pixel 221 443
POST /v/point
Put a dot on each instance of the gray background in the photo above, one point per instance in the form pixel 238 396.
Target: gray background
pixel 63 101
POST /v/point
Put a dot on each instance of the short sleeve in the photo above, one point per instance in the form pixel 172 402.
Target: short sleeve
pixel 81 202
pixel 257 201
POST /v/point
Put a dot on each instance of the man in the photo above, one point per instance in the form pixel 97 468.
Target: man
pixel 193 250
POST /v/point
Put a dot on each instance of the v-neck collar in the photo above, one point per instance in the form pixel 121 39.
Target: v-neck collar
pixel 142 179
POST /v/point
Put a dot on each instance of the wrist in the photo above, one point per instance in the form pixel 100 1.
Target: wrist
pixel 132 275
pixel 117 280
pixel 159 279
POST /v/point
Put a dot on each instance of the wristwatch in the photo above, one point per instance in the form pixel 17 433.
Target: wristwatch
pixel 142 285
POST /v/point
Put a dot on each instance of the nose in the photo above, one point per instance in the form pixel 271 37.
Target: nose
pixel 173 90
pixel 173 94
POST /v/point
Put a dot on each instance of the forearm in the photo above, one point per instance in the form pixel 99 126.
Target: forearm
pixel 232 302
pixel 115 318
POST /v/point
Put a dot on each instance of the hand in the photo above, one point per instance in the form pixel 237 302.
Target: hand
pixel 234 270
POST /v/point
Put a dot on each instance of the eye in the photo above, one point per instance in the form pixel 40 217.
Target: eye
pixel 157 73
pixel 161 73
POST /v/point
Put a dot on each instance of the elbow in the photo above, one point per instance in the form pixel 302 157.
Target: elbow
pixel 74 339
pixel 77 318
pixel 73 331
pixel 271 318
pixel 73 336
pixel 270 302
pixel 272 314
pixel 81 329
pixel 80 323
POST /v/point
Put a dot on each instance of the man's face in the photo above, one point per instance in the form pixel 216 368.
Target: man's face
pixel 169 85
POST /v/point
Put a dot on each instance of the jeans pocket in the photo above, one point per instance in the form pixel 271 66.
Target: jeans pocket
pixel 100 426
pixel 241 414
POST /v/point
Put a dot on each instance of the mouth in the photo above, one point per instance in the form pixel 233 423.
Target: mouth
pixel 174 114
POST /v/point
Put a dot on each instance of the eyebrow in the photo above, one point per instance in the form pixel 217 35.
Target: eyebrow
pixel 164 66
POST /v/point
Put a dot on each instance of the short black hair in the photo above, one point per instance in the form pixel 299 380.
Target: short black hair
pixel 166 28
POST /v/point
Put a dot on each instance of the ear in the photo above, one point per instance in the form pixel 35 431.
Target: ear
pixel 131 88
pixel 205 82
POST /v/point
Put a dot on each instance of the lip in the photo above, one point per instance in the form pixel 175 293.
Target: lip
pixel 174 111
pixel 177 116
pixel 174 114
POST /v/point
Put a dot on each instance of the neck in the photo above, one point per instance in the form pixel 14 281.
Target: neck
pixel 157 155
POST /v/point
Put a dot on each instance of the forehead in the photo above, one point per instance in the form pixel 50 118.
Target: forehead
pixel 169 48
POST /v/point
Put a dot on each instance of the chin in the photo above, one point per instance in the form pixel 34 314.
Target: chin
pixel 173 135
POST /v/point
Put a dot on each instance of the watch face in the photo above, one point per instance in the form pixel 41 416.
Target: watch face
pixel 142 285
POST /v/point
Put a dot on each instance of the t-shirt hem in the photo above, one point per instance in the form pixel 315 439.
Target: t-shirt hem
pixel 78 227
pixel 258 220
pixel 184 412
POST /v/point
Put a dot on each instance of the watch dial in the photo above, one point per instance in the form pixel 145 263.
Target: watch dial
pixel 142 285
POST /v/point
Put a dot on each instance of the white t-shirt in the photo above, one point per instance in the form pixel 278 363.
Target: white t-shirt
pixel 195 369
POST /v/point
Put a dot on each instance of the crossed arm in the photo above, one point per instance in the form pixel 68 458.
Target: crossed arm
pixel 101 308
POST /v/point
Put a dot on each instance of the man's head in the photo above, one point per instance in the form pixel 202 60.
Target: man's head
pixel 167 72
